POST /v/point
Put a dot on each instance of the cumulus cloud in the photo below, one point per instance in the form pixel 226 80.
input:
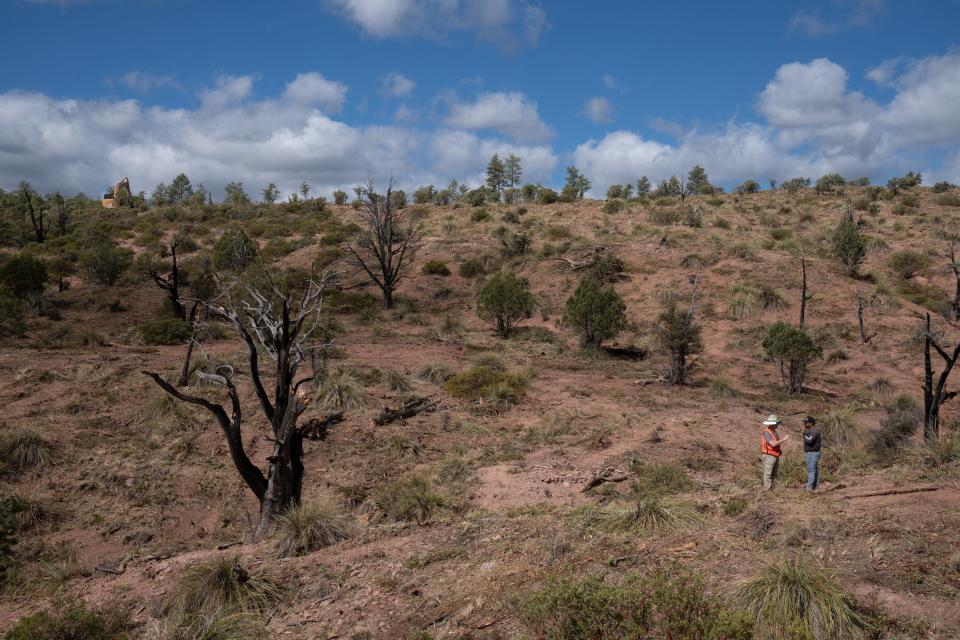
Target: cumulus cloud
pixel 814 124
pixel 508 113
pixel 74 145
pixel 313 89
pixel 507 23
pixel 397 85
pixel 599 110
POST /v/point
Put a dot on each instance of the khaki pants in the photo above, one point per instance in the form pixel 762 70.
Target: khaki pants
pixel 771 464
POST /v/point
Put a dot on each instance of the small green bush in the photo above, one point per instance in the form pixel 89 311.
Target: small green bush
pixel 472 268
pixel 614 206
pixel 23 275
pixel 908 263
pixel 605 267
pixel 849 249
pixel 436 268
pixel 483 381
pixel 480 215
pixel 504 300
pixel 794 350
pixel 667 604
pixel 903 418
pixel 596 312
pixel 71 623
pixel 105 262
pixel 165 331
pixel 234 251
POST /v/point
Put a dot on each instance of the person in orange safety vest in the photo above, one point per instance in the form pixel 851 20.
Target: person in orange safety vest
pixel 770 442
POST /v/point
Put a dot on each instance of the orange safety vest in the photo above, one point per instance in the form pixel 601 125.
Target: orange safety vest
pixel 766 448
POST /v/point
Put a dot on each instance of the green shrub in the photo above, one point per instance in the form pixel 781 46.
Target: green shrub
pixel 679 337
pixel 410 499
pixel 482 382
pixel 436 268
pixel 614 206
pixel 165 331
pixel 234 251
pixel 340 197
pixel 11 316
pixel 948 200
pixel 794 350
pixel 596 312
pixel 105 262
pixel 73 622
pixel 23 275
pixel 664 217
pixel 472 268
pixel 795 598
pixel 480 215
pixel 222 583
pixel 903 418
pixel 849 248
pixel 605 267
pixel 941 187
pixel 504 300
pixel 306 528
pixel 908 263
pixel 667 604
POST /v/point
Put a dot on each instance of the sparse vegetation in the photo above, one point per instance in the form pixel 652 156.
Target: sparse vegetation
pixel 306 528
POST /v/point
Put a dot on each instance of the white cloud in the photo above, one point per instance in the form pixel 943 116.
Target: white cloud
pixel 599 110
pixel 847 14
pixel 397 85
pixel 815 124
pixel 228 90
pixel 507 23
pixel 143 82
pixel 510 113
pixel 74 145
pixel 313 89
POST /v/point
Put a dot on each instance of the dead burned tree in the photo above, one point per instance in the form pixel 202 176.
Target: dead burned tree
pixel 804 296
pixel 168 276
pixel 40 227
pixel 955 305
pixel 386 242
pixel 864 338
pixel 679 335
pixel 281 324
pixel 934 397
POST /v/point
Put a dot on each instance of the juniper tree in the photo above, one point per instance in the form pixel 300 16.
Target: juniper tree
pixel 270 193
pixel 643 186
pixel 794 350
pixel 679 336
pixel 180 190
pixel 849 248
pixel 496 175
pixel 503 301
pixel 596 312
pixel 697 181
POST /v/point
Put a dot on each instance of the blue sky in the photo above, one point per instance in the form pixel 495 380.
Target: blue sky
pixel 333 91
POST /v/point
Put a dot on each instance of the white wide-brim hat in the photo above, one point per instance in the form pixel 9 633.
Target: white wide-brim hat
pixel 771 420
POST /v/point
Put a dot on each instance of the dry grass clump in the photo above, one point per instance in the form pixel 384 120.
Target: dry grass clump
pixel 410 499
pixel 398 381
pixel 24 449
pixel 662 478
pixel 795 597
pixel 841 428
pixel 741 303
pixel 720 387
pixel 649 512
pixel 485 382
pixel 218 625
pixel 308 527
pixel 222 584
pixel 770 299
pixel 342 391
pixel 435 372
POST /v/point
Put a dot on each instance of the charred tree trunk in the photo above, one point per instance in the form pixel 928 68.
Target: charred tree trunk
pixel 934 396
pixel 863 336
pixel 185 369
pixel 804 296
pixel 955 305
pixel 36 215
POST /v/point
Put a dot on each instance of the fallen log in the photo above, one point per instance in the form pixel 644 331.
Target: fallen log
pixel 606 475
pixel 408 410
pixel 892 492
pixel 317 428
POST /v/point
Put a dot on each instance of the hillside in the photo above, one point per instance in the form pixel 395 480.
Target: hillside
pixel 137 489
